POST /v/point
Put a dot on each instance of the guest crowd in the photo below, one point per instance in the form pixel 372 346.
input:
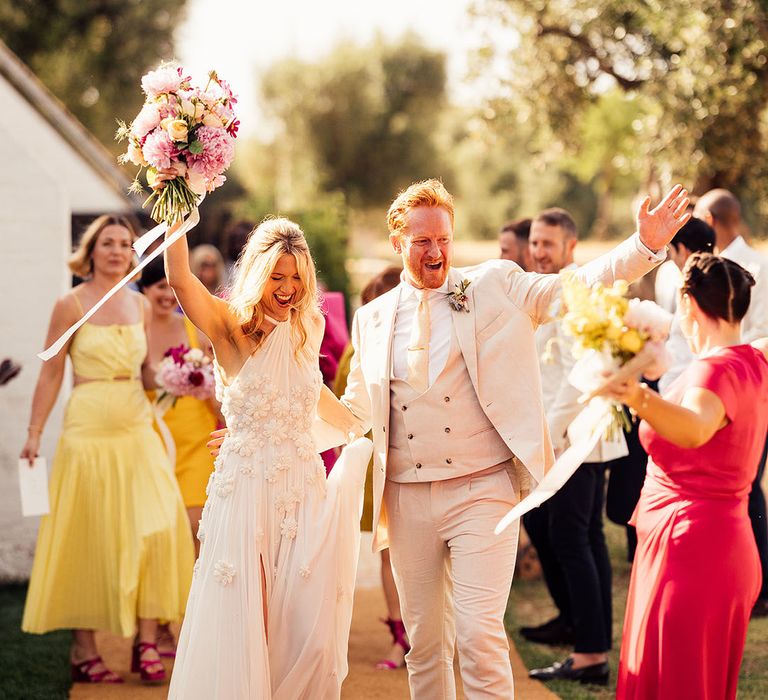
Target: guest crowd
pixel 117 551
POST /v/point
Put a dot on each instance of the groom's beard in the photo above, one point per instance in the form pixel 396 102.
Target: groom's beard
pixel 426 277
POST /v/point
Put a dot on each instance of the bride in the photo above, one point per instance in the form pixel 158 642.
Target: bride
pixel 271 602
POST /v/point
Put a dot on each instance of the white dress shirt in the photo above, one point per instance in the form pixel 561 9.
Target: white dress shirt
pixel 679 351
pixel 755 323
pixel 441 329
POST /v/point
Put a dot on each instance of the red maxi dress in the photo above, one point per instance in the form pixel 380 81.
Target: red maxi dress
pixel 696 573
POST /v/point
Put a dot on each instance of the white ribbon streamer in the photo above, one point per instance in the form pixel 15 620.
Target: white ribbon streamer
pixel 562 470
pixel 591 374
pixel 146 240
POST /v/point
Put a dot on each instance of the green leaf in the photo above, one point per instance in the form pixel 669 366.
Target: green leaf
pixel 196 147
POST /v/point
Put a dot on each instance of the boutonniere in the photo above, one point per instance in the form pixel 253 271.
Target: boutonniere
pixel 458 297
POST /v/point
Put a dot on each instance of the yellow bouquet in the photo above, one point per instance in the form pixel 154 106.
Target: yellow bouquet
pixel 612 336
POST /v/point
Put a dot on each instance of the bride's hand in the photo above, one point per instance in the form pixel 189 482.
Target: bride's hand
pixel 354 430
pixel 163 175
pixel 217 438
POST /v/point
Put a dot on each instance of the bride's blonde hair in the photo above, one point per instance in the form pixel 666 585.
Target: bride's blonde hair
pixel 267 243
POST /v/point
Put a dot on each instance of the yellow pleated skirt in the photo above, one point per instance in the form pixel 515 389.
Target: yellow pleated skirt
pixel 116 545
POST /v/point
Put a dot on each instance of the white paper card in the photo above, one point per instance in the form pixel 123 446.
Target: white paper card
pixel 33 483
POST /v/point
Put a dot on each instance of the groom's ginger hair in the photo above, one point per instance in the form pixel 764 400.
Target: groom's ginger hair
pixel 427 193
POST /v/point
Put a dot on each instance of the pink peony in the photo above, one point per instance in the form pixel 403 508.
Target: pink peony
pixel 162 80
pixel 158 149
pixel 146 120
pixel 218 151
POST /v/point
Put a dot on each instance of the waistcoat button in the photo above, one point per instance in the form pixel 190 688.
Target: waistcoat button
pixel 447 430
pixel 447 399
pixel 418 465
pixel 410 436
pixel 405 408
pixel 448 461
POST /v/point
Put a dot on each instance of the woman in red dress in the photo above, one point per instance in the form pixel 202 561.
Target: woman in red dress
pixel 696 574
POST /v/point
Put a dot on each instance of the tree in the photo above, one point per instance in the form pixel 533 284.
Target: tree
pixel 699 68
pixel 91 55
pixel 361 121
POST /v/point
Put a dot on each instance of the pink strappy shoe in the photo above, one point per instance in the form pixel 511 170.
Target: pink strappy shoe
pixel 83 672
pixel 397 629
pixel 141 666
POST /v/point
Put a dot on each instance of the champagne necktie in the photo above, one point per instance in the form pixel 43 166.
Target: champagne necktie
pixel 418 347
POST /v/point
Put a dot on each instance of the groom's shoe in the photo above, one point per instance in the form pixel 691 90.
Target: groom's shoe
pixel 556 632
pixel 597 674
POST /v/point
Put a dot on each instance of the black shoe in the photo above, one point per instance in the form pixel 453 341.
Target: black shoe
pixel 596 674
pixel 556 632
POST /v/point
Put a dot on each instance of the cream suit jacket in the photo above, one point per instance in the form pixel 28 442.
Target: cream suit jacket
pixel 496 337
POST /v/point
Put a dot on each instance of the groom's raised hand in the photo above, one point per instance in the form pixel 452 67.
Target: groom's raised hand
pixel 658 226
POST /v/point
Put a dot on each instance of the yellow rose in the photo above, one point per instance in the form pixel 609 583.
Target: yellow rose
pixel 211 119
pixel 631 341
pixel 192 109
pixel 176 128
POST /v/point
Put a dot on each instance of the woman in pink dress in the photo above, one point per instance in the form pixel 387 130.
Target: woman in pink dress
pixel 696 573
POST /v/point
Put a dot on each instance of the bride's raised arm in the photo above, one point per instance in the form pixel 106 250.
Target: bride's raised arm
pixel 209 313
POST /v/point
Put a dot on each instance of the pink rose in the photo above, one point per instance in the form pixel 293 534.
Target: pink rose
pixel 162 80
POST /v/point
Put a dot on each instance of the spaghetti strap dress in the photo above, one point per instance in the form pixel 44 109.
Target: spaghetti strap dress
pixel 116 545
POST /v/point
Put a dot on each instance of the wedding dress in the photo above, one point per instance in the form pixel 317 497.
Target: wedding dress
pixel 272 521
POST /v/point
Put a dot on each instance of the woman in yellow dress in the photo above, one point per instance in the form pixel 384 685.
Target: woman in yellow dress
pixel 190 421
pixel 116 548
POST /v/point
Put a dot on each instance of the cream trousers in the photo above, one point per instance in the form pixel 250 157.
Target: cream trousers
pixel 453 576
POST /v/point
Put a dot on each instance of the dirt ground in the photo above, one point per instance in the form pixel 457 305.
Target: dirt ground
pixel 368 642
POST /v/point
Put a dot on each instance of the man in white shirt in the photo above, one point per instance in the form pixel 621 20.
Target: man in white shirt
pixel 696 236
pixel 567 530
pixel 722 211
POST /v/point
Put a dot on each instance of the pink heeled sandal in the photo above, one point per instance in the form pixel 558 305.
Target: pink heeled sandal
pixel 397 630
pixel 141 666
pixel 83 672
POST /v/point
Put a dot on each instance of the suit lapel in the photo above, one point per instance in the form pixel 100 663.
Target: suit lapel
pixel 464 325
pixel 383 332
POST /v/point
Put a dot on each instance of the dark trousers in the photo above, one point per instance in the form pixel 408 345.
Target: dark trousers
pixel 625 481
pixel 757 516
pixel 567 532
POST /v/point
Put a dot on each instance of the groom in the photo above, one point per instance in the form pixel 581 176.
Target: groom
pixel 445 373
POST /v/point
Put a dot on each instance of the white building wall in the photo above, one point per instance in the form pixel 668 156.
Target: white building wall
pixel 85 191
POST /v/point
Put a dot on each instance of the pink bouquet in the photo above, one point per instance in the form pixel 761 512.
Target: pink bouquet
pixel 184 130
pixel 184 372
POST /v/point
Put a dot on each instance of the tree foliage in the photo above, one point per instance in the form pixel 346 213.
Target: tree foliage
pixel 91 55
pixel 362 120
pixel 696 69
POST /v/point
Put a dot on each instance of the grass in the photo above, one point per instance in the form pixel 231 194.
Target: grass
pixel 530 604
pixel 32 667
